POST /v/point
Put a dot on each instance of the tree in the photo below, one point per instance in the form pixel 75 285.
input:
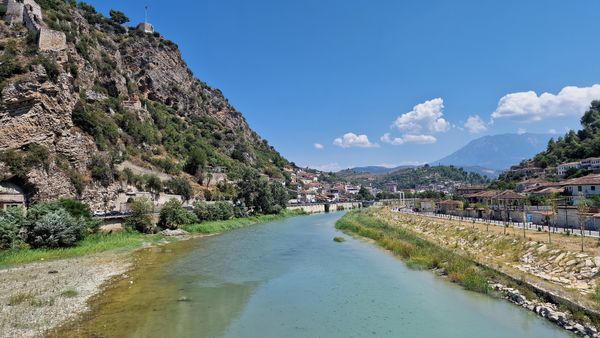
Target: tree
pixel 264 201
pixel 118 17
pixel 280 194
pixel 181 186
pixel 196 162
pixel 153 184
pixel 141 218
pixel 364 194
pixel 172 215
pixel 248 187
pixel 102 170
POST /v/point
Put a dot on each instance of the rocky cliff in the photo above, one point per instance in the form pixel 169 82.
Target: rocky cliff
pixel 68 117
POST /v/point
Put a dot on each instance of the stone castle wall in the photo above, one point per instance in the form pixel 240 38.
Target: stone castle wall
pixel 51 40
pixel 14 12
pixel 30 13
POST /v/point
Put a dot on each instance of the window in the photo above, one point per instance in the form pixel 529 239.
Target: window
pixel 578 188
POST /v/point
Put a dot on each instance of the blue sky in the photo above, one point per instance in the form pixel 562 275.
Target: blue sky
pixel 386 81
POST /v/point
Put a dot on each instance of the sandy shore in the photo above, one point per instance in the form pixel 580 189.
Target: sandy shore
pixel 39 296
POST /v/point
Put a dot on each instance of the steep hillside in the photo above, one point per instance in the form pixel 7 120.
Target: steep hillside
pixel 69 117
pixel 498 151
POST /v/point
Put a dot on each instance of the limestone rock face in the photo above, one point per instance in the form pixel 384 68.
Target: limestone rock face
pixel 101 62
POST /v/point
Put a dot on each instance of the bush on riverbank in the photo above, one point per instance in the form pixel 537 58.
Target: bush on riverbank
pixel 140 218
pixel 61 223
pixel 218 211
pixel 173 215
pixel 56 229
pixel 417 253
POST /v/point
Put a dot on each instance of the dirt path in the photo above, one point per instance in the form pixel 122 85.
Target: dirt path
pixel 39 296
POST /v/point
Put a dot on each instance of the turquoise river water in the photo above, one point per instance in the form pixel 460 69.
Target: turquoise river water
pixel 290 279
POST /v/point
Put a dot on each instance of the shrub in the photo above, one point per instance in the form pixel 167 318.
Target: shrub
pixel 239 211
pixel 214 212
pixel 8 233
pixel 102 170
pixel 56 229
pixel 172 215
pixel 180 186
pixel 52 68
pixel 94 120
pixel 75 208
pixel 140 218
pixel 8 68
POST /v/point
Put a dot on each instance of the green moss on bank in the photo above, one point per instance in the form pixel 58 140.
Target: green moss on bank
pixel 232 224
pixel 92 244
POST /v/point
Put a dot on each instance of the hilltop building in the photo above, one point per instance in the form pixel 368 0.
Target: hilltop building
pixel 145 27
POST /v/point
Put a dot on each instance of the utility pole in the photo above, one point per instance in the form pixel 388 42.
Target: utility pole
pixel 524 220
pixel 582 209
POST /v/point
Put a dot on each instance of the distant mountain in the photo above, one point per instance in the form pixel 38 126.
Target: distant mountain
pixel 375 169
pixel 497 152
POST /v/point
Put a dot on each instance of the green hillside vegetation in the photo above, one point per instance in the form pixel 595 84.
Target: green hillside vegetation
pixel 574 146
pixel 411 177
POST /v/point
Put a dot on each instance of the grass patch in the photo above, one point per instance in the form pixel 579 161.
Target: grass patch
pixel 92 244
pixel 418 253
pixel 339 239
pixel 30 299
pixel 20 298
pixel 213 227
pixel 69 293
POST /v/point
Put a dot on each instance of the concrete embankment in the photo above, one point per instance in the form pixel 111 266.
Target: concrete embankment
pixel 560 279
pixel 316 208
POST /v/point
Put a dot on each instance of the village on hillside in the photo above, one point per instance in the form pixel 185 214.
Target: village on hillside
pixel 567 196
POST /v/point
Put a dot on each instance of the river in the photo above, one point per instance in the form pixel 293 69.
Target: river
pixel 290 279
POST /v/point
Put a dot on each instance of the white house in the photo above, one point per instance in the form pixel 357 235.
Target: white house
pixel 587 186
pixel 562 168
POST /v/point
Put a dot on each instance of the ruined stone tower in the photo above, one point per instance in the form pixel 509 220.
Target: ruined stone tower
pixel 30 13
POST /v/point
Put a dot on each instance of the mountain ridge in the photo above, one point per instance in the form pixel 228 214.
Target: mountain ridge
pixel 497 152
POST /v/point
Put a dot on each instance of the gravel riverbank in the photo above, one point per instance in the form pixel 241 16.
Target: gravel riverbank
pixel 39 296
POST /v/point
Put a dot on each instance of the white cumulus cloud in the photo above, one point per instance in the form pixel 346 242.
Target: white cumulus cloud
pixel 529 106
pixel 387 138
pixel 319 146
pixel 409 138
pixel 351 140
pixel 475 125
pixel 426 117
